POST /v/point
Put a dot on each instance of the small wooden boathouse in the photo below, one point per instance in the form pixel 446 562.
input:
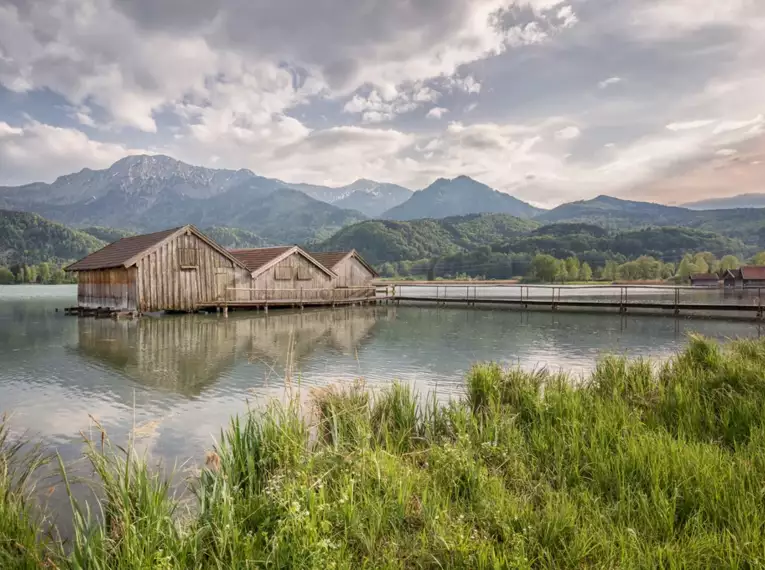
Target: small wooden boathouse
pixel 350 268
pixel 171 270
pixel 183 270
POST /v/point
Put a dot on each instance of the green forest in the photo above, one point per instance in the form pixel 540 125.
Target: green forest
pixel 479 246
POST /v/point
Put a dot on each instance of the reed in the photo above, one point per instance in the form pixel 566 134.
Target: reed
pixel 643 465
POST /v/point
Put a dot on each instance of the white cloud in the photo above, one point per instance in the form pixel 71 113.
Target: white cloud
pixel 567 16
pixel 467 84
pixel 41 152
pixel 608 82
pixel 568 133
pixel 729 126
pixel 437 112
pixel 726 152
pixel 689 125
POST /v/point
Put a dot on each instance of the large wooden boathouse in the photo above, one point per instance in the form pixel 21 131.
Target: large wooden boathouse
pixel 181 269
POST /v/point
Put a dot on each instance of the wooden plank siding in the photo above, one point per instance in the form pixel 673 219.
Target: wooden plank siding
pixel 113 288
pixel 305 279
pixel 169 281
pixel 352 273
pixel 164 279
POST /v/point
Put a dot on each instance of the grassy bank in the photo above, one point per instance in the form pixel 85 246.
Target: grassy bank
pixel 641 466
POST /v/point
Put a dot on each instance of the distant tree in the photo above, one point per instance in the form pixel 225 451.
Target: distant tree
pixel 6 276
pixel 21 275
pixel 561 272
pixel 585 272
pixel 572 268
pixel 701 263
pixel 759 259
pixel 43 272
pixel 729 262
pixel 388 269
pixel 545 267
pixel 648 268
pixel 687 268
pixel 667 270
pixel 58 276
pixel 31 272
pixel 610 270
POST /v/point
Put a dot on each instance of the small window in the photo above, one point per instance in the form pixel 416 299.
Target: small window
pixel 188 257
pixel 283 273
pixel 304 274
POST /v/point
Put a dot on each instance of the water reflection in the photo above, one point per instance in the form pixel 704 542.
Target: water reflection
pixel 180 378
pixel 188 354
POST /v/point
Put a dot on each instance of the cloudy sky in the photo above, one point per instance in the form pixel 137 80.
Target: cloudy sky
pixel 550 100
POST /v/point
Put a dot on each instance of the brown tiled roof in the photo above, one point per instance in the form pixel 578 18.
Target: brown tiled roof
pixel 256 258
pixel 753 272
pixel 117 253
pixel 329 258
pixel 705 277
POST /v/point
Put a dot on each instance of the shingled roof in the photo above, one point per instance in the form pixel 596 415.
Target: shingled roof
pixel 330 259
pixel 256 258
pixel 121 251
pixel 753 272
pixel 127 251
pixel 705 277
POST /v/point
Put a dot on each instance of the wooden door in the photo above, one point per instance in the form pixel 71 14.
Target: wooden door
pixel 222 283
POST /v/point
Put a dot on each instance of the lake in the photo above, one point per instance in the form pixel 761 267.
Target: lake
pixel 180 378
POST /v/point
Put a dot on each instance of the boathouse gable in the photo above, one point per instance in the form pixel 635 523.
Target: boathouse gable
pixel 283 273
pixel 173 270
pixel 351 269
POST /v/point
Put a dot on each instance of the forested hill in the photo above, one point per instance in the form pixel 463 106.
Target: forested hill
pixel 471 237
pixel 29 239
pixel 384 240
pixel 747 225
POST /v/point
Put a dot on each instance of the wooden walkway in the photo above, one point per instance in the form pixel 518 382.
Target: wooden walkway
pixel 624 299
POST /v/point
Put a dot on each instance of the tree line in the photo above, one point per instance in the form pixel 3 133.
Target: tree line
pixel 484 263
pixel 43 273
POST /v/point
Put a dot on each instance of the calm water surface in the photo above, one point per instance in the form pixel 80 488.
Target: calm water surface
pixel 180 378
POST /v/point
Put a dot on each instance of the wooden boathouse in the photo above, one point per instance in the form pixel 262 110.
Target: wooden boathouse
pixel 282 273
pixel 171 270
pixel 350 268
pixel 747 277
pixel 183 270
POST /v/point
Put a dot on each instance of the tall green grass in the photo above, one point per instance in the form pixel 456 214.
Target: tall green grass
pixel 643 465
pixel 22 543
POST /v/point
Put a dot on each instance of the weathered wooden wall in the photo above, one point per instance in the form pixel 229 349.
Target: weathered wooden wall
pixel 352 273
pixel 307 282
pixel 109 288
pixel 164 284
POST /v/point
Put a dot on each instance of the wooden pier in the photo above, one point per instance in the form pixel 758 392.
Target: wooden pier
pixel 622 299
pixel 263 299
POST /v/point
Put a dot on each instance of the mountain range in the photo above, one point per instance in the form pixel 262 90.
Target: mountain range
pixel 146 193
pixel 731 202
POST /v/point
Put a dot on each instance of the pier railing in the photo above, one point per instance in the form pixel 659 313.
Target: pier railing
pixel 680 299
pixel 327 295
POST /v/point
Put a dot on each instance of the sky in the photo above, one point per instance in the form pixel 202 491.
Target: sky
pixel 548 100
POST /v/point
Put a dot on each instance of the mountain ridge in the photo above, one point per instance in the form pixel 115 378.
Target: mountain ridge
pixel 459 196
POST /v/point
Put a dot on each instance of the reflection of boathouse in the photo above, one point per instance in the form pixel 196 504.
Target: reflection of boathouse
pixel 183 270
pixel 187 354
